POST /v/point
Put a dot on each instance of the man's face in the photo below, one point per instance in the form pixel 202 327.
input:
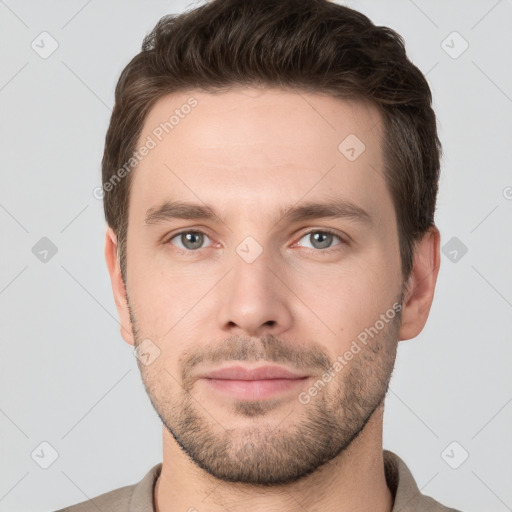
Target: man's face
pixel 254 287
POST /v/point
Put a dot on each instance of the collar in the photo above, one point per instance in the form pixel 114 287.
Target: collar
pixel 407 497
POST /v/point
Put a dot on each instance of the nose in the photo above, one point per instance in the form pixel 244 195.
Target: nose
pixel 253 299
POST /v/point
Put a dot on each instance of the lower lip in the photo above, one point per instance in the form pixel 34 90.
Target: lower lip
pixel 254 389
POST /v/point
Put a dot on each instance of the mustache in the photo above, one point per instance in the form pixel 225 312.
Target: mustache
pixel 265 348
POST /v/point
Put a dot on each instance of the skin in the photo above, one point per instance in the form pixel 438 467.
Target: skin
pixel 248 153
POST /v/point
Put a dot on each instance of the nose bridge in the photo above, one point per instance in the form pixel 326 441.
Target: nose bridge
pixel 252 261
pixel 253 297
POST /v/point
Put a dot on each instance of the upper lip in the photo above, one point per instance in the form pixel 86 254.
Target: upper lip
pixel 259 373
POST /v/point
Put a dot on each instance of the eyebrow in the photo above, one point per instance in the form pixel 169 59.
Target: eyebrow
pixel 333 209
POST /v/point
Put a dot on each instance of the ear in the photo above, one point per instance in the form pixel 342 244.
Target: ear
pixel 118 286
pixel 420 286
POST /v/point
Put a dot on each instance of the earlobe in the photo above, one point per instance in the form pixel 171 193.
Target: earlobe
pixel 118 285
pixel 421 285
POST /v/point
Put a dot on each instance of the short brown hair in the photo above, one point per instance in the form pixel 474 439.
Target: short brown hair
pixel 309 45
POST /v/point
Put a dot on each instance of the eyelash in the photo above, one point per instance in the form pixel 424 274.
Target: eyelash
pixel 316 251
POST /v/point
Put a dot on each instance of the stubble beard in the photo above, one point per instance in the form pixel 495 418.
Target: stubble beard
pixel 268 453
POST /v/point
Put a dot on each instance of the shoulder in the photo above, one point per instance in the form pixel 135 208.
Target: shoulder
pixel 117 499
pixel 137 497
pixel 407 496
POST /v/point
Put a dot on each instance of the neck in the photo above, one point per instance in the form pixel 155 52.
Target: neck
pixel 354 481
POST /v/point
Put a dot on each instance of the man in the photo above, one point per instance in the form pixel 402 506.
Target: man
pixel 270 177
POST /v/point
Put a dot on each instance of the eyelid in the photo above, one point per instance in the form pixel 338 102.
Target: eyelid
pixel 169 237
pixel 342 237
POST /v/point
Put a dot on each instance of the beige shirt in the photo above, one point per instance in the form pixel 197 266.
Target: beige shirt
pixel 139 497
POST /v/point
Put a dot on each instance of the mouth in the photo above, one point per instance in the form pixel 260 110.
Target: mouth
pixel 259 383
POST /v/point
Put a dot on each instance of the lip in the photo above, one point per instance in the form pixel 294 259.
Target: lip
pixel 259 373
pixel 260 383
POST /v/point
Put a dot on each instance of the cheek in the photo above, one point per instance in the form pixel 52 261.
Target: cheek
pixel 342 300
pixel 164 301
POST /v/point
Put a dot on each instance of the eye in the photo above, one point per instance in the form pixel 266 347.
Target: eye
pixel 190 240
pixel 322 239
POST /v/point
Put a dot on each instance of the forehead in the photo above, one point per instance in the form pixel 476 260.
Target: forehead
pixel 250 142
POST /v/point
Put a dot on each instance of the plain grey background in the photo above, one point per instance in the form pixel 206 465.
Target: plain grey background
pixel 67 377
